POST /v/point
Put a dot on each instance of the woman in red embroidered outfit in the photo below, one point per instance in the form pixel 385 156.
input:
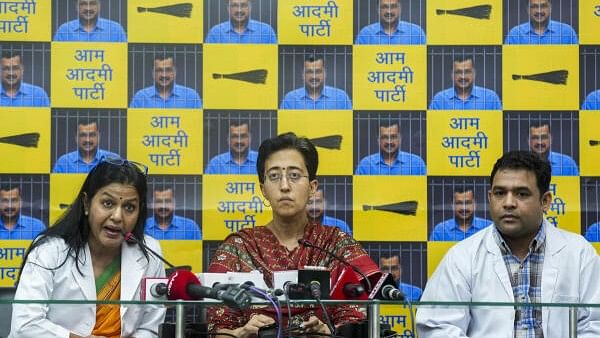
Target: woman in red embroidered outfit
pixel 287 167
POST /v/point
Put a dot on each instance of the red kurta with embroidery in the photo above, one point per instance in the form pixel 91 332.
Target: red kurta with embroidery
pixel 259 249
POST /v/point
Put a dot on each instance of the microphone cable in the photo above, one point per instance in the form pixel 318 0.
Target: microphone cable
pixel 276 306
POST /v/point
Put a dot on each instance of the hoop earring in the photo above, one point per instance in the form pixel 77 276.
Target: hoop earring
pixel 265 203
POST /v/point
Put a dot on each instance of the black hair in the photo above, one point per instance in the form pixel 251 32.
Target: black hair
pixel 463 58
pixel 288 141
pixel 539 124
pixel 526 160
pixel 164 56
pixel 9 187
pixel 385 123
pixel 314 58
pixel 238 123
pixel 73 226
pixel 11 53
pixel 462 189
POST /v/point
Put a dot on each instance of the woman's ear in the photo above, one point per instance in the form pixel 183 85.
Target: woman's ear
pixel 314 185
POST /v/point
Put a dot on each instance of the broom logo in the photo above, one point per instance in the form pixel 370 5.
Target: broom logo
pixel 594 143
pixel 258 76
pixel 28 140
pixel 402 208
pixel 553 77
pixel 328 142
pixel 64 206
pixel 475 12
pixel 183 10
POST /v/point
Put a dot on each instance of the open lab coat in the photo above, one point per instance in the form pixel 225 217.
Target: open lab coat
pixel 474 270
pixel 66 283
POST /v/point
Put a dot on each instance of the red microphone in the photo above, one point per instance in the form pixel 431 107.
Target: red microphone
pixel 348 286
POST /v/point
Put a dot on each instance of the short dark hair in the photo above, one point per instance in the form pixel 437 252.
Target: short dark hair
pixel 288 141
pixel 86 122
pixel 9 187
pixel 163 188
pixel 462 189
pixel 11 53
pixel 526 160
pixel 313 58
pixel 237 123
pixel 539 124
pixel 389 123
pixel 463 58
pixel 163 56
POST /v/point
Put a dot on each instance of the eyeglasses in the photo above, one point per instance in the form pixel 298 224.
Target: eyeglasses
pixel 124 162
pixel 292 176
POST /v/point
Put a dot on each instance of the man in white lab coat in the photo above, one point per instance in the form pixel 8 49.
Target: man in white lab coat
pixel 521 258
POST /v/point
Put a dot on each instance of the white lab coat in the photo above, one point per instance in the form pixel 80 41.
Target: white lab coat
pixel 66 283
pixel 474 270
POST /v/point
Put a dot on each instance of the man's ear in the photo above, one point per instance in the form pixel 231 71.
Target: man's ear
pixel 546 201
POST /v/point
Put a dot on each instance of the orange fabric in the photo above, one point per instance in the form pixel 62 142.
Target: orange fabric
pixel 108 316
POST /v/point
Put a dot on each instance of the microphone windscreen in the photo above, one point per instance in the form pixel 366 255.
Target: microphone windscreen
pixel 129 238
pixel 178 283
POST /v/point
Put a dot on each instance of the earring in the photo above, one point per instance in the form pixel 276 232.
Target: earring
pixel 86 212
pixel 265 203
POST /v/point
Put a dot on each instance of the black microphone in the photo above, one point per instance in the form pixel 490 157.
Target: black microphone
pixel 158 290
pixel 391 293
pixel 304 242
pixel 352 290
pixel 186 286
pixel 249 286
pixel 315 289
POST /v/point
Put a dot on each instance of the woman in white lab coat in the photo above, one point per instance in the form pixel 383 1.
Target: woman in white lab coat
pixel 84 257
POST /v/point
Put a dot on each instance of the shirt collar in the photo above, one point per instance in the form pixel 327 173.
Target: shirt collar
pixel 324 94
pixel 173 92
pixel 535 245
pixel 396 161
pixel 549 28
pixel 229 27
pixel 99 26
pixel 23 90
pixel 249 158
pixel 154 224
pixel 474 94
pixel 382 31
pixel 17 225
pixel 96 157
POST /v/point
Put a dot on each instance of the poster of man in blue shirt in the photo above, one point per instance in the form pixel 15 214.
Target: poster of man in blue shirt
pixel 592 101
pixel 164 224
pixel 390 160
pixel 540 142
pixel 592 233
pixel 90 26
pixel 541 30
pixel 239 159
pixel 315 94
pixel 464 223
pixel 315 210
pixel 14 92
pixel 465 95
pixel 88 153
pixel 390 30
pixel 240 28
pixel 14 225
pixel 165 93
pixel 393 266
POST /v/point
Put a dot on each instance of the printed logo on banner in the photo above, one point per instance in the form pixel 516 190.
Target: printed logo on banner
pixel 168 141
pixel 307 22
pixel 385 209
pixel 25 20
pixel 468 22
pixel 540 77
pixel 331 133
pixel 565 211
pixel 63 191
pixel 390 77
pixel 589 21
pixel 25 140
pixel 231 203
pixel 12 253
pixel 171 21
pixel 463 143
pixel 89 75
pixel 183 252
pixel 589 143
pixel 240 76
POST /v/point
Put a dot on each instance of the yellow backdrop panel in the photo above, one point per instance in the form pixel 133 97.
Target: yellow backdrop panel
pixel 372 193
pixel 63 191
pixel 21 153
pixel 589 142
pixel 169 142
pixel 25 20
pixel 227 83
pixel 149 26
pixel 389 77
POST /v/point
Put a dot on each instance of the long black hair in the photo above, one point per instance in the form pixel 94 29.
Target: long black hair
pixel 73 226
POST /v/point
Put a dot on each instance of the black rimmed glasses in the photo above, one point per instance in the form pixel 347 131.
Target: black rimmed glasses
pixel 124 162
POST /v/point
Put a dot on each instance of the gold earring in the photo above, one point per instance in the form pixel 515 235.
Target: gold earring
pixel 265 203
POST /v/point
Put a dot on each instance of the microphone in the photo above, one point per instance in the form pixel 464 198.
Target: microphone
pixel 306 243
pixel 315 289
pixel 386 289
pixel 249 286
pixel 391 293
pixel 185 285
pixel 348 286
pixel 158 290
